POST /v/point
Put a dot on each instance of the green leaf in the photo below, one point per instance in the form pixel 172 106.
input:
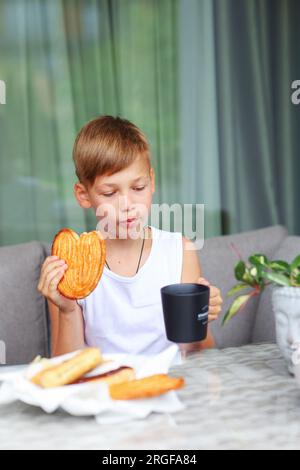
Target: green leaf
pixel 239 270
pixel 294 276
pixel 236 289
pixel 248 278
pixel 295 280
pixel 258 260
pixel 253 271
pixel 280 266
pixel 257 276
pixel 295 264
pixel 277 278
pixel 235 306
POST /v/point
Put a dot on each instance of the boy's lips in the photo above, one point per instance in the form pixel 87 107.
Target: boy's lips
pixel 129 220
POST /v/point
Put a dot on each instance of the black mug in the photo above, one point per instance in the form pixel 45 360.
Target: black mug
pixel 185 309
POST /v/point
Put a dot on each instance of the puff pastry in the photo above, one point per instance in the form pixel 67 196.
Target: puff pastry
pixel 85 257
pixel 116 376
pixel 146 387
pixel 69 370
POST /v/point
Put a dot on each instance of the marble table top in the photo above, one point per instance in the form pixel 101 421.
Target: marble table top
pixel 236 398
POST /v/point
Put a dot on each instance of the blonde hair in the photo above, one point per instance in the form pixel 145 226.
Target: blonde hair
pixel 106 145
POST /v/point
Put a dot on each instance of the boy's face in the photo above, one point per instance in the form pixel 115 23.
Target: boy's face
pixel 121 201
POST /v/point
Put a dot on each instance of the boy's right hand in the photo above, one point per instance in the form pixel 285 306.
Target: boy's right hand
pixel 52 272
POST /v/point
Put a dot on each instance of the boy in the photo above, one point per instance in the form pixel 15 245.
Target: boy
pixel 124 313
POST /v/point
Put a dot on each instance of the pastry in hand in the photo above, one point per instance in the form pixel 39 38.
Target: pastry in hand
pixel 144 388
pixel 85 257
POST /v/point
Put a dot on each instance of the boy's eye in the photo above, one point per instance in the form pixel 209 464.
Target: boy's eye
pixel 140 188
pixel 108 194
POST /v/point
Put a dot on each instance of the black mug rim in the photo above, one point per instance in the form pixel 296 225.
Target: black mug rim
pixel 201 289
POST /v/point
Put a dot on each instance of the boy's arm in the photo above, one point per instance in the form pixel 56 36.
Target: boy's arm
pixel 67 330
pixel 191 272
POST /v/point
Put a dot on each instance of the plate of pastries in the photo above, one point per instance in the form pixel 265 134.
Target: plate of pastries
pixel 89 366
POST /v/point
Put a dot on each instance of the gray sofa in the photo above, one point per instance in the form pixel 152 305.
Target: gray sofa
pixel 24 324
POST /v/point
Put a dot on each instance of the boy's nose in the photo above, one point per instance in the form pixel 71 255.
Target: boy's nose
pixel 125 202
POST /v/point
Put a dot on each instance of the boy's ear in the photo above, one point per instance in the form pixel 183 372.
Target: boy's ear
pixel 152 176
pixel 82 196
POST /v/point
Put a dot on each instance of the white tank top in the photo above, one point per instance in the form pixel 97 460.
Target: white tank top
pixel 124 314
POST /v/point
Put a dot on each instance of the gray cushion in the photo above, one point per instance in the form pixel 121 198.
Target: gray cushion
pixel 23 311
pixel 47 248
pixel 217 261
pixel 264 325
pixel 23 315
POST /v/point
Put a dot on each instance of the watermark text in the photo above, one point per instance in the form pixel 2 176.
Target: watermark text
pixel 295 96
pixel 122 221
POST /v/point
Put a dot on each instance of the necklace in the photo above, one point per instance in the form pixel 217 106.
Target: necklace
pixel 138 266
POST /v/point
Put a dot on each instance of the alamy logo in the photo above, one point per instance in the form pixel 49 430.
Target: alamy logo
pixel 2 92
pixel 295 96
pixel 185 218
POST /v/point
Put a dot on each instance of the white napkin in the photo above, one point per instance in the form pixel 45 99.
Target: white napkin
pixel 93 398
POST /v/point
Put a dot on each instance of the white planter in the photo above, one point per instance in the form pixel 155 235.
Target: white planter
pixel 286 307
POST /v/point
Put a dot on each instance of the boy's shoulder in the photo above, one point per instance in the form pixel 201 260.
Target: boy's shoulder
pixel 159 234
pixel 168 235
pixel 165 234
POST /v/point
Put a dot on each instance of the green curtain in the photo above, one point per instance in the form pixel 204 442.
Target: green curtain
pixel 200 163
pixel 239 127
pixel 209 81
pixel 65 62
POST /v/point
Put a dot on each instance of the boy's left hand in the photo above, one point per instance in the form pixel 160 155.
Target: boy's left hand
pixel 215 300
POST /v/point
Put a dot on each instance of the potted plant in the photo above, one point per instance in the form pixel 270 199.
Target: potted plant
pixel 253 277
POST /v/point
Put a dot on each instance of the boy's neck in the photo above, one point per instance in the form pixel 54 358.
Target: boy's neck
pixel 128 243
